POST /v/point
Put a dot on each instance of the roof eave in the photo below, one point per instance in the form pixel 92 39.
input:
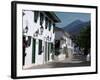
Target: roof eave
pixel 53 16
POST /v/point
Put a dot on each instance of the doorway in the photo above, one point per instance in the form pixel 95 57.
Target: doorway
pixel 46 52
pixel 33 50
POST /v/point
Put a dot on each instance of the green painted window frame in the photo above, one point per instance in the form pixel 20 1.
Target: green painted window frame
pixel 53 27
pixel 41 18
pixel 49 25
pixel 40 47
pixel 36 15
pixel 46 22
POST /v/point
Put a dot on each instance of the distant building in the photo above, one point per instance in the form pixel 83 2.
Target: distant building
pixel 63 43
pixel 38 37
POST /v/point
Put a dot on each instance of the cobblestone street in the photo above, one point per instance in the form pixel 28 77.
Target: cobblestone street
pixel 77 61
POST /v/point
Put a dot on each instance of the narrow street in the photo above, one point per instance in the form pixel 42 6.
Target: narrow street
pixel 77 61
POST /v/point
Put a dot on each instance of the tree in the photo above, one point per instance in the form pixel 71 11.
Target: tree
pixel 84 39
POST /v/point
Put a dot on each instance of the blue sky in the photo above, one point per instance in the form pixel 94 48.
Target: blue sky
pixel 68 17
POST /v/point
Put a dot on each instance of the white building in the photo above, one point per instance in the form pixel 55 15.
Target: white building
pixel 63 43
pixel 38 37
pixel 70 45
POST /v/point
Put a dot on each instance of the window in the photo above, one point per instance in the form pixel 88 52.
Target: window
pixel 57 44
pixel 40 47
pixel 53 27
pixel 49 25
pixel 36 14
pixel 46 22
pixel 41 18
pixel 52 46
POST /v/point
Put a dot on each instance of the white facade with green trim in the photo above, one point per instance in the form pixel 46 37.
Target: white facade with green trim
pixel 40 36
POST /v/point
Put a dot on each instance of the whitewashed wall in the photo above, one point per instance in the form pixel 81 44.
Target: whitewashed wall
pixel 28 19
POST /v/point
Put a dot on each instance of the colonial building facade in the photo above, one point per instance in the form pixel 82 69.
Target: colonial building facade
pixel 63 44
pixel 38 37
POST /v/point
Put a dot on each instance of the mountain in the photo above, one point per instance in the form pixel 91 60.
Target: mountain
pixel 75 27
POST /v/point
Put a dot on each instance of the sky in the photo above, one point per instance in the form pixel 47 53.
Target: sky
pixel 68 17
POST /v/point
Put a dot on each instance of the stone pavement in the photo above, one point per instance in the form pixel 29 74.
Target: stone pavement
pixel 76 61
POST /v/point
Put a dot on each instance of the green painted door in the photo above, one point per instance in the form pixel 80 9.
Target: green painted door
pixel 48 51
pixel 33 50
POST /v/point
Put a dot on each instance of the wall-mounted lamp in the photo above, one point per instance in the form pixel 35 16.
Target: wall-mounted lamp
pixel 41 30
pixel 23 13
pixel 26 29
pixel 50 38
pixel 47 37
pixel 26 41
pixel 36 33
